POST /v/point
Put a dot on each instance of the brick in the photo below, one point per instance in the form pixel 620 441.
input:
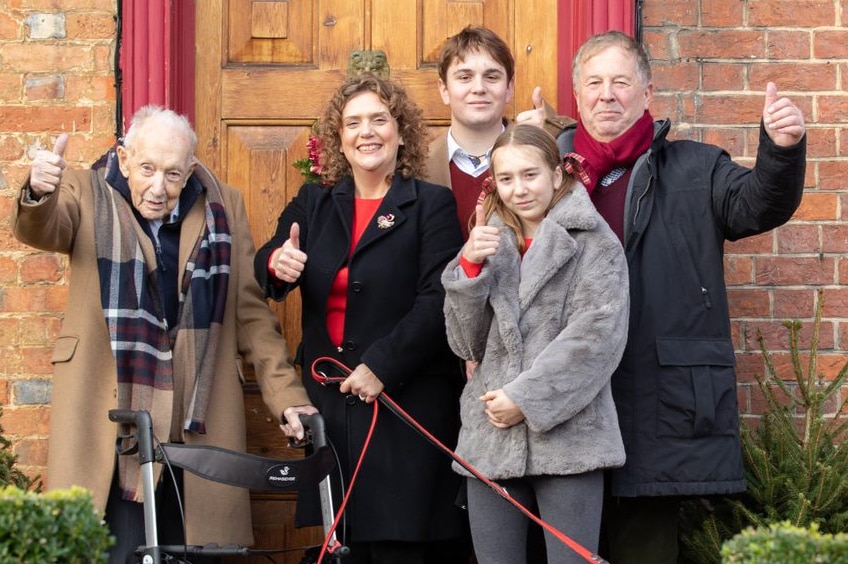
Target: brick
pixel 791 13
pixel 680 76
pixel 90 88
pixel 85 25
pixel 4 393
pixel 32 392
pixel 674 12
pixel 10 27
pixel 26 421
pixel 33 299
pixel 785 271
pixel 665 106
pixel 104 57
pixel 763 243
pixel 738 270
pixel 832 174
pixel 37 360
pixel 656 43
pixel 11 148
pixel 829 44
pixel 40 268
pixel 798 238
pixel 48 5
pixel 46 26
pixel 58 118
pixel 11 89
pixel 788 44
pixel 40 330
pixel 722 44
pixel 731 139
pixel 835 238
pixel 843 143
pixel 748 302
pixel 723 76
pixel 728 108
pixel 776 336
pixel 831 109
pixel 793 77
pixel 842 271
pixel 10 330
pixel 8 270
pixel 818 206
pixel 821 142
pixel 32 452
pixel 720 13
pixel 50 87
pixel 748 366
pixel 743 398
pixel 835 303
pixel 58 57
pixel 828 365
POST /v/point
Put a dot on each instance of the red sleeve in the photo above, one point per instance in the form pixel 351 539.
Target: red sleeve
pixel 472 269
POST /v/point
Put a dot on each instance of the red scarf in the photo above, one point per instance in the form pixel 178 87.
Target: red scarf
pixel 591 159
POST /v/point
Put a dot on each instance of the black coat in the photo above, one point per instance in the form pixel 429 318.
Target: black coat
pixel 675 389
pixel 394 324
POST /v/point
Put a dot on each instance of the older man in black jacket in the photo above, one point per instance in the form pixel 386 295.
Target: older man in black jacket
pixel 673 204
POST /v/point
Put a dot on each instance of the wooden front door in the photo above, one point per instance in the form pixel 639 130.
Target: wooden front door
pixel 265 70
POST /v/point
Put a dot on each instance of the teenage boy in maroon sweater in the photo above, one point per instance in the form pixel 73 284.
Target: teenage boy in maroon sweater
pixel 476 79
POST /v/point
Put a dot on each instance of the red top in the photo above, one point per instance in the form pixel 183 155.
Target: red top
pixel 363 212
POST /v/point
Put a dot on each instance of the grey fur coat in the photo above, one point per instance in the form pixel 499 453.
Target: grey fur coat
pixel 550 330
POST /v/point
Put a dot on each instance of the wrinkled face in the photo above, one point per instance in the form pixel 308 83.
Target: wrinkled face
pixel 477 90
pixel 525 183
pixel 157 167
pixel 611 97
pixel 369 135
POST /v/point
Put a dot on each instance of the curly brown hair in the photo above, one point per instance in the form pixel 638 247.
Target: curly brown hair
pixel 411 155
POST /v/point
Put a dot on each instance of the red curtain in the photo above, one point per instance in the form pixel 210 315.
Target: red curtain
pixel 577 21
pixel 157 56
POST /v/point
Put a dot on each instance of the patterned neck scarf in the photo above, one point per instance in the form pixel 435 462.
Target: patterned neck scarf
pixel 592 160
pixel 141 340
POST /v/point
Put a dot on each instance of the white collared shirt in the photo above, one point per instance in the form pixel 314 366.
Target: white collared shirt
pixel 463 161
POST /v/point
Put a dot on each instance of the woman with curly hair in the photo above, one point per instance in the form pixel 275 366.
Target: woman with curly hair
pixel 367 247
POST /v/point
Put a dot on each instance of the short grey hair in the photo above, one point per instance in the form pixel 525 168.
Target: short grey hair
pixel 603 41
pixel 165 115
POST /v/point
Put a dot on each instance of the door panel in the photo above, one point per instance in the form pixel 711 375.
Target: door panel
pixel 264 71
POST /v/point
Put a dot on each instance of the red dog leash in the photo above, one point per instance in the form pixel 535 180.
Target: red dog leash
pixel 323 379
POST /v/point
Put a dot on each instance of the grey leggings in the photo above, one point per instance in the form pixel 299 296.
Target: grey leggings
pixel 571 504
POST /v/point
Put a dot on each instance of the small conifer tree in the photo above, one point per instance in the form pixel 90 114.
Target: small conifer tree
pixel 795 464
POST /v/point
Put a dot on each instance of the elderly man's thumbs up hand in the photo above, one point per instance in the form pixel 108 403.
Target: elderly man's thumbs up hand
pixel 47 166
pixel 783 120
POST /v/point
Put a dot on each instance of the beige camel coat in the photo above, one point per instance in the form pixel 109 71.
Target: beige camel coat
pixel 82 439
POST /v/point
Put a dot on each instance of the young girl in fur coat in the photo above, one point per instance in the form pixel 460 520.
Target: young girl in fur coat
pixel 539 297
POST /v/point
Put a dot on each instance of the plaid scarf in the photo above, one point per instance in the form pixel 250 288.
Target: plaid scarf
pixel 130 295
pixel 592 160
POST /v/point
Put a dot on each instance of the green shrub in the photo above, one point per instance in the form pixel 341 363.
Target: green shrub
pixel 9 475
pixel 786 544
pixel 57 526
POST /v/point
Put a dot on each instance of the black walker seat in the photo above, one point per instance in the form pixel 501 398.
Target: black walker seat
pixel 227 467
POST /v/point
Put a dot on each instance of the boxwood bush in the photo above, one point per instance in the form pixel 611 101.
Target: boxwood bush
pixel 785 544
pixel 57 526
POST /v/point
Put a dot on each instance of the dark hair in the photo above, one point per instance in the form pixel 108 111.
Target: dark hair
pixel 411 155
pixel 603 41
pixel 524 135
pixel 473 39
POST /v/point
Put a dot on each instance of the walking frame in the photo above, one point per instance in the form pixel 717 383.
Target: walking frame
pixel 232 468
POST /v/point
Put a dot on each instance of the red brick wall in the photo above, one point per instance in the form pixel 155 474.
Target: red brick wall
pixel 56 75
pixel 711 61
